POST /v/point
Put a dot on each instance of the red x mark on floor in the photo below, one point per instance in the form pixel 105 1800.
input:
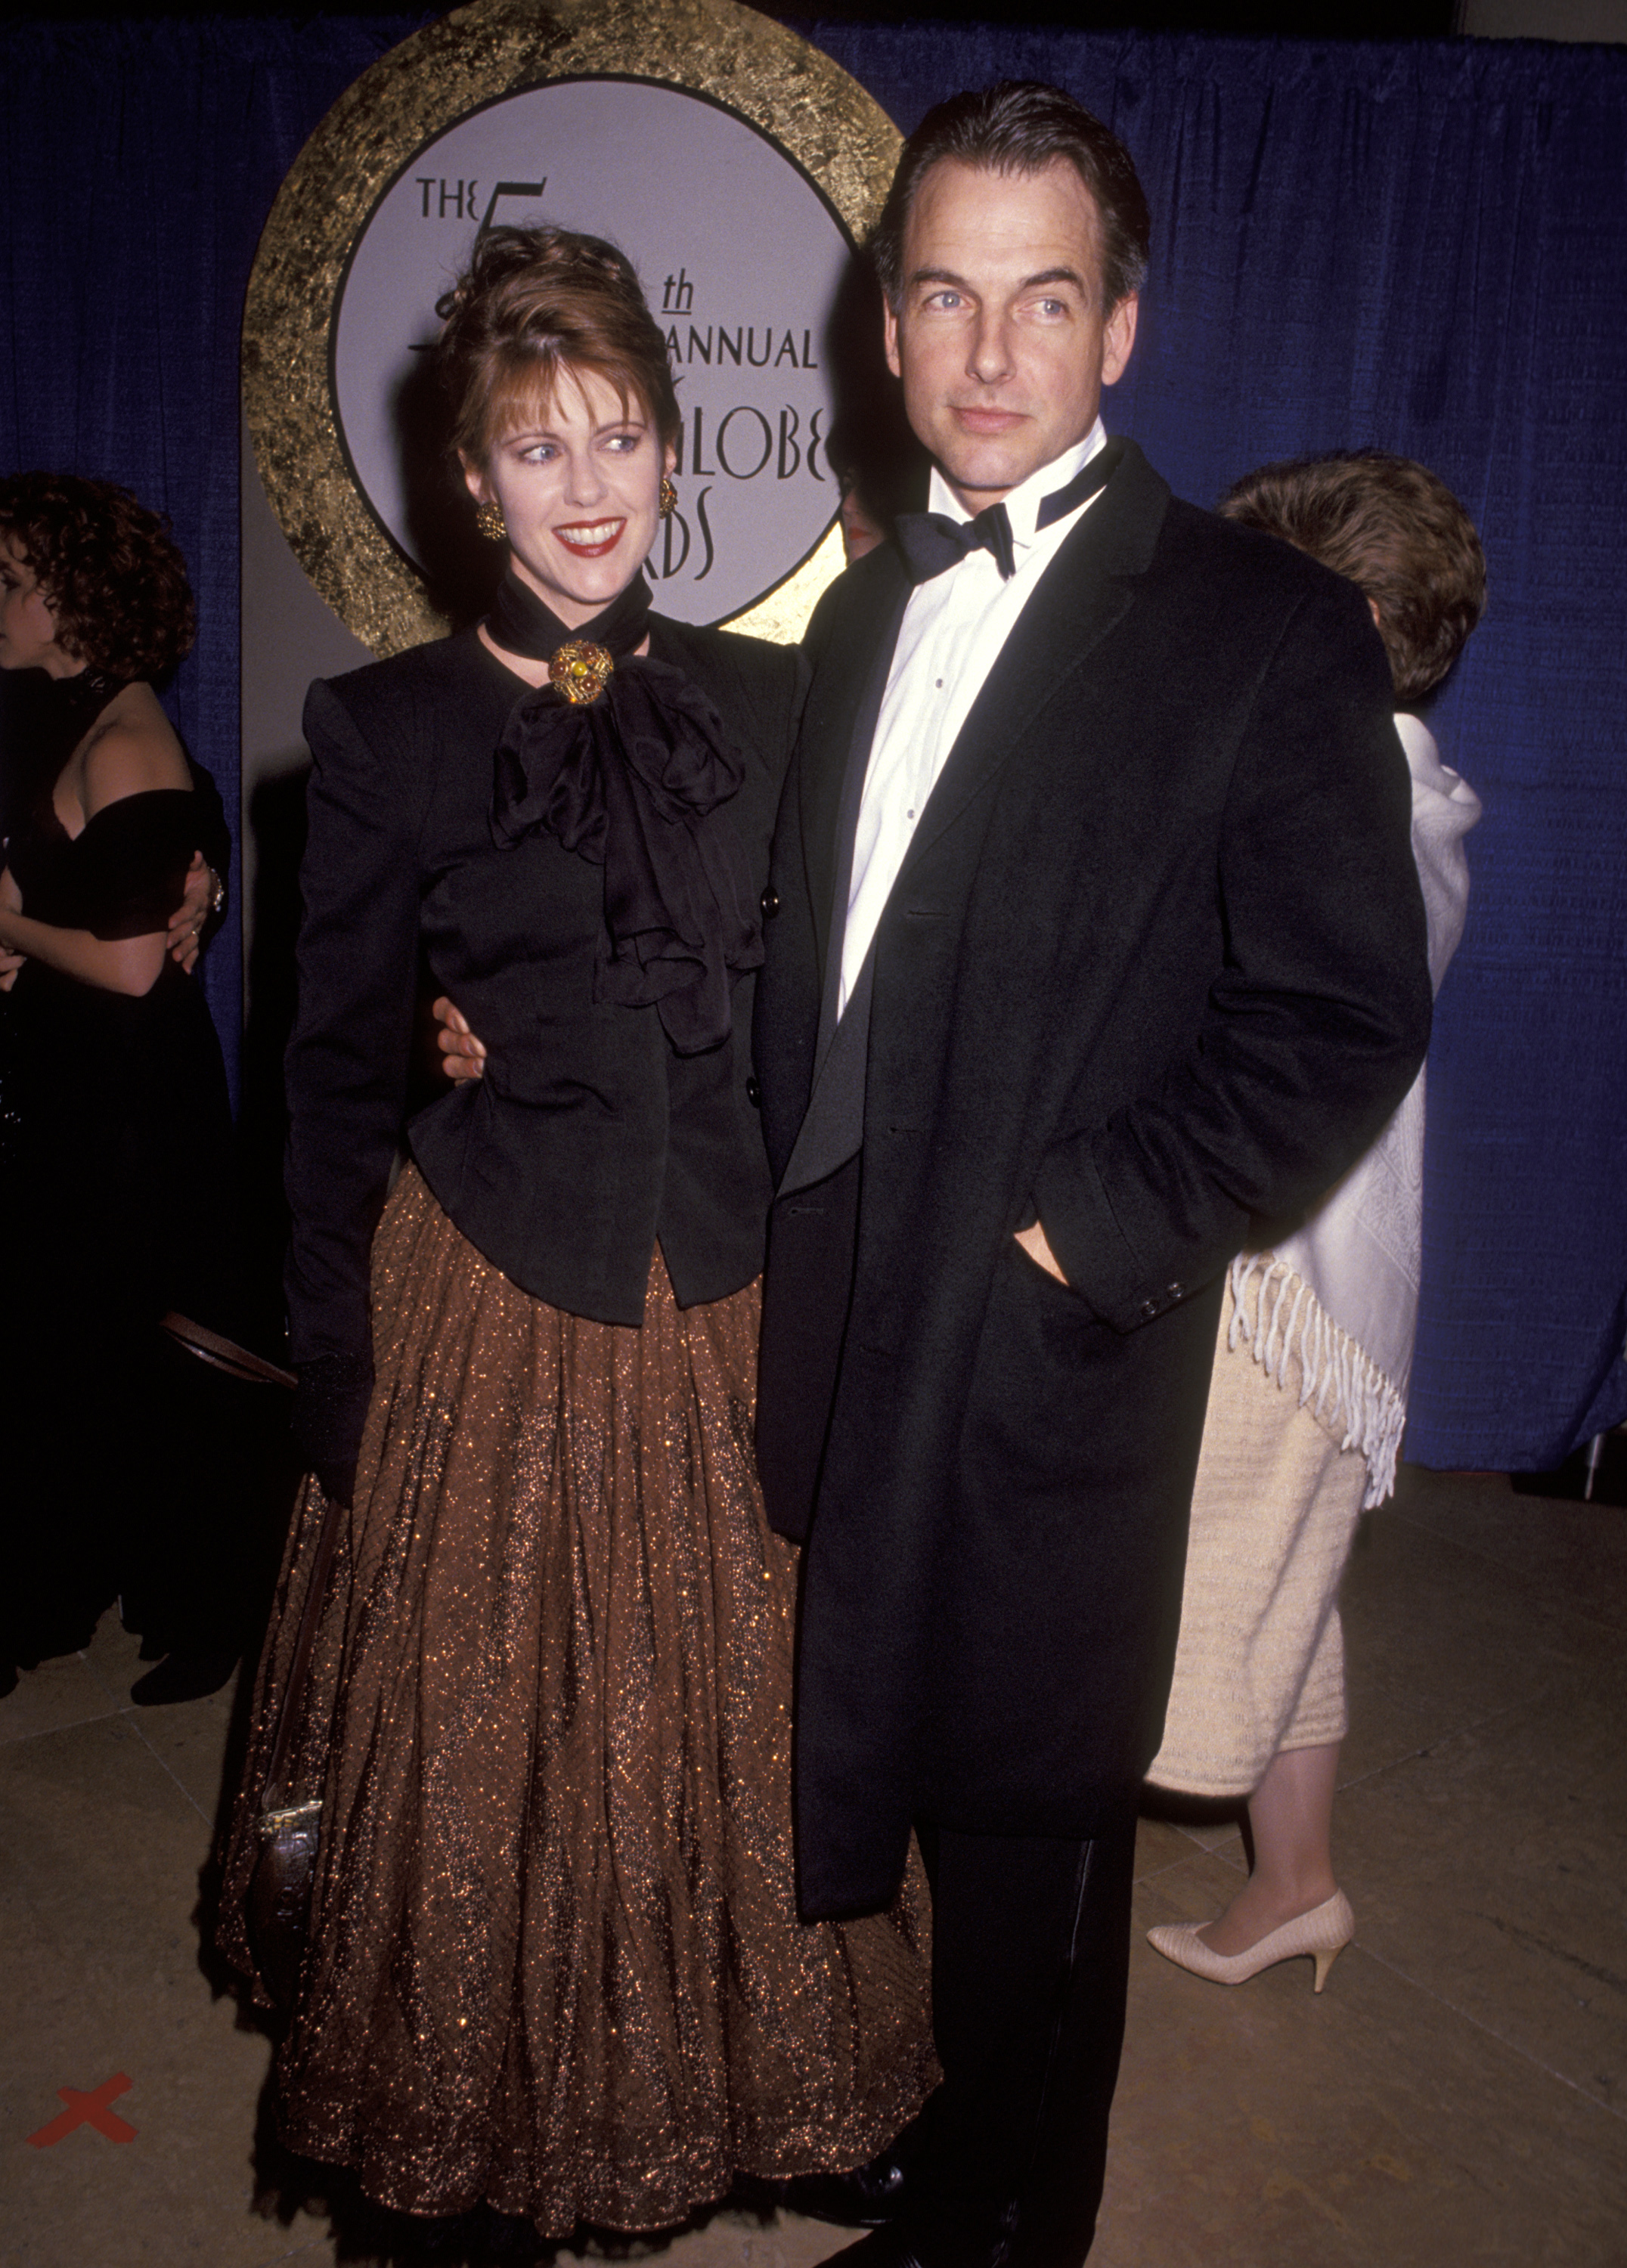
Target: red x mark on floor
pixel 87 2110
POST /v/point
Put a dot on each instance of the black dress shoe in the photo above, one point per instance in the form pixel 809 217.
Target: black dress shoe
pixel 183 1677
pixel 967 2237
pixel 883 2247
pixel 868 2197
pixel 900 2247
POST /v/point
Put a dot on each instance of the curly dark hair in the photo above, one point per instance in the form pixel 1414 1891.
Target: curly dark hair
pixel 1396 530
pixel 1021 126
pixel 108 570
pixel 531 303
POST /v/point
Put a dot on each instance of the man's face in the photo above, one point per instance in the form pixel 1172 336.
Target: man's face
pixel 1001 338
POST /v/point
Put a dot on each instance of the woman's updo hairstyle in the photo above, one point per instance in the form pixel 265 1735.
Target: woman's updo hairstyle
pixel 532 304
pixel 108 569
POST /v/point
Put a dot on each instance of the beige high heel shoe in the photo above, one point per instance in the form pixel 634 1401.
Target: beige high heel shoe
pixel 1324 1933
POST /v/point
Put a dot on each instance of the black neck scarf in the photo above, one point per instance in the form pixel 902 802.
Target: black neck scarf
pixel 520 622
pixel 636 781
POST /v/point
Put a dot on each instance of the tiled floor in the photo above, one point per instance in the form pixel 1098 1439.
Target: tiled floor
pixel 1457 2096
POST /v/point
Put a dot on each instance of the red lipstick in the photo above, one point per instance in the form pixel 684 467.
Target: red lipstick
pixel 573 533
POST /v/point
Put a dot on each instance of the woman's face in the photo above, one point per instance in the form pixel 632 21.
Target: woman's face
pixel 28 626
pixel 579 490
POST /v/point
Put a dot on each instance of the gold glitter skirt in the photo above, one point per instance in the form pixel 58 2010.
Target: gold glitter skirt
pixel 556 1962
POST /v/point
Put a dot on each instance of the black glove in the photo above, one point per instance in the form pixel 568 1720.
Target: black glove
pixel 329 1410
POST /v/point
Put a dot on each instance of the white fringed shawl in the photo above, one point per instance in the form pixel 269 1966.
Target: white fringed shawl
pixel 1342 1294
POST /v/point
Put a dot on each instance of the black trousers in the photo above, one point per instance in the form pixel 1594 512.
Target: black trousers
pixel 806 1292
pixel 1030 1934
pixel 1030 1957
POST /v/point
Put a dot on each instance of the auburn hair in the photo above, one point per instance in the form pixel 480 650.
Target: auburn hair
pixel 1394 529
pixel 532 305
pixel 108 569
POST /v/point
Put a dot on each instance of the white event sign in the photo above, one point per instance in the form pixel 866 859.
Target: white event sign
pixel 739 255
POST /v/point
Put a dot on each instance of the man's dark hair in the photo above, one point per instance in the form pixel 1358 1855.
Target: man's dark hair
pixel 1021 126
pixel 1396 531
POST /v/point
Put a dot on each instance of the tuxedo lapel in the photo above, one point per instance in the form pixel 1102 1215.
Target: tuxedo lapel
pixel 833 771
pixel 1085 592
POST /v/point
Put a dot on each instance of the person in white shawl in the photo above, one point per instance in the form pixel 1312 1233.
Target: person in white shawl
pixel 1309 1397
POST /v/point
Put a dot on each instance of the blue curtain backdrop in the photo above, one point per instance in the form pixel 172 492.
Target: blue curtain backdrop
pixel 138 164
pixel 1415 246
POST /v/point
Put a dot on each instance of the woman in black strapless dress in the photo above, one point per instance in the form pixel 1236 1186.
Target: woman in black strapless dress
pixel 116 1179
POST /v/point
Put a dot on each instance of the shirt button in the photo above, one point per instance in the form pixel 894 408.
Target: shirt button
pixel 753 1092
pixel 1174 1291
pixel 769 902
pixel 1149 1309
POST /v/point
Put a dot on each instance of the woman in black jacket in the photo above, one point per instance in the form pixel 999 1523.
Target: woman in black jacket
pixel 554 1964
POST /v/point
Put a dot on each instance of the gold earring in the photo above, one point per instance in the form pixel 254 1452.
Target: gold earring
pixel 489 520
pixel 669 497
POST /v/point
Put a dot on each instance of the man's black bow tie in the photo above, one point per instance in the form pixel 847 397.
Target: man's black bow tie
pixel 932 542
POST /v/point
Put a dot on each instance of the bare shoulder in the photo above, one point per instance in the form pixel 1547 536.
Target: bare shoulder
pixel 132 750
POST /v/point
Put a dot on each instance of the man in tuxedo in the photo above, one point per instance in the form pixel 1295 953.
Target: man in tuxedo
pixel 1093 936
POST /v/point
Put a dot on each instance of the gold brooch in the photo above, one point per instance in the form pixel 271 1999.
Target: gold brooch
pixel 581 670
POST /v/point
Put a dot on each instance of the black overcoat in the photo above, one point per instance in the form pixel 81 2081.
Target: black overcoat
pixel 1154 966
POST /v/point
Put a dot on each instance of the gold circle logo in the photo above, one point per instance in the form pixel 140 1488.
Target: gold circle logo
pixel 572 112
